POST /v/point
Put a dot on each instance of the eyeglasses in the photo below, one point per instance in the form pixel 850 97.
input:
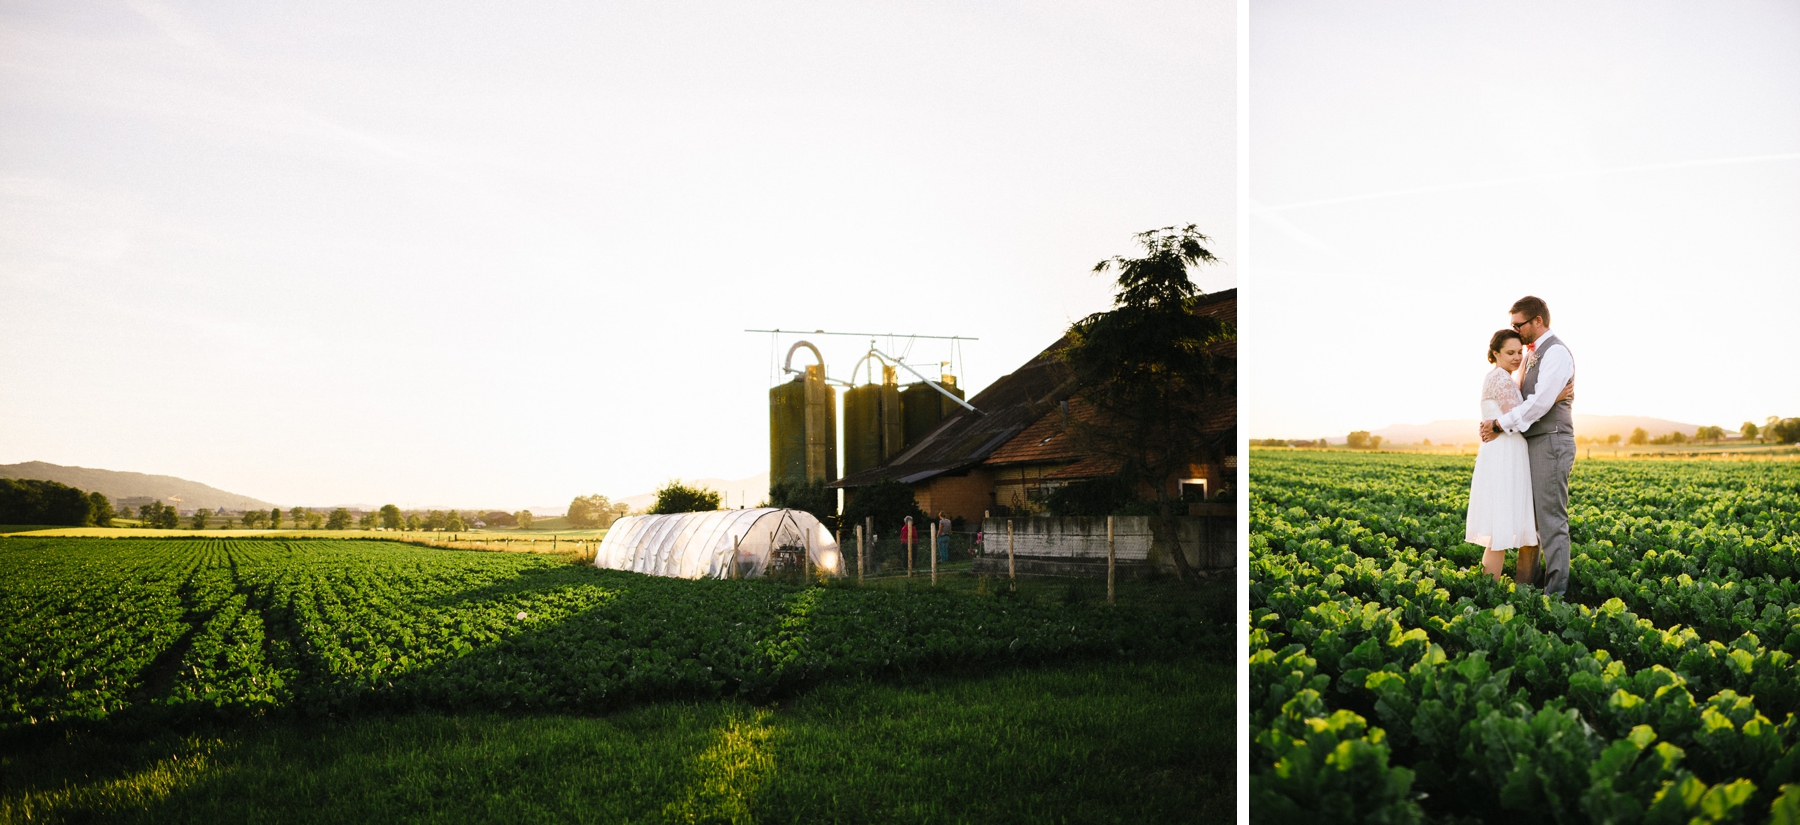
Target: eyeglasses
pixel 1521 325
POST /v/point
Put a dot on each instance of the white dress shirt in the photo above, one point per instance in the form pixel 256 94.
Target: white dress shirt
pixel 1555 368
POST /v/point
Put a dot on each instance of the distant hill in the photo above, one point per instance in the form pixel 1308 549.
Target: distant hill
pixel 1462 431
pixel 754 490
pixel 117 486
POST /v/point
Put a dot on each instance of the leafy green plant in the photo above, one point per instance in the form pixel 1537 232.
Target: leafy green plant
pixel 97 628
pixel 1645 695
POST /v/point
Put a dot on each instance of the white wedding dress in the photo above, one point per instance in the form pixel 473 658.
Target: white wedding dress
pixel 1500 513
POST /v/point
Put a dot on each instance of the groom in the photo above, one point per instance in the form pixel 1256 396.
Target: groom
pixel 1549 429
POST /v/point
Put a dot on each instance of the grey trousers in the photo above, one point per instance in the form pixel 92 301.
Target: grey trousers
pixel 1552 455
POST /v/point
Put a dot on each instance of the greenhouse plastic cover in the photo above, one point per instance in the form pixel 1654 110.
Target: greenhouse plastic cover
pixel 698 545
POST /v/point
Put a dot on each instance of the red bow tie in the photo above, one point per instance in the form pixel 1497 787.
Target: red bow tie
pixel 1532 346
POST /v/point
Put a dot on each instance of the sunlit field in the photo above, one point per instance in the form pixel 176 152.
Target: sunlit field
pixel 1720 451
pixel 1662 687
pixel 205 679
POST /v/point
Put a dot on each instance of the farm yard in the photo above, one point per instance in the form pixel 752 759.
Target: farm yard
pixel 1391 680
pixel 176 679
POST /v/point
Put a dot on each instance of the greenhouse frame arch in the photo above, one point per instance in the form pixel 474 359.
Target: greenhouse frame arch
pixel 699 545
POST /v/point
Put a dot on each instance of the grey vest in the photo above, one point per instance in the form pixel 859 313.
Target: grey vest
pixel 1561 417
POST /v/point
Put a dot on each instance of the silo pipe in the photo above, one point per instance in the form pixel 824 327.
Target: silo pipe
pixel 865 359
pixel 788 365
pixel 934 385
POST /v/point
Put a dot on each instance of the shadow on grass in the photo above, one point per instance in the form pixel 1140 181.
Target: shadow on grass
pixel 1088 742
pixel 651 645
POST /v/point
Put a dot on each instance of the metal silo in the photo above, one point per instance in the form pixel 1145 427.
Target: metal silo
pixel 862 428
pixel 787 431
pixel 821 426
pixel 893 424
pixel 922 406
pixel 803 425
pixel 873 427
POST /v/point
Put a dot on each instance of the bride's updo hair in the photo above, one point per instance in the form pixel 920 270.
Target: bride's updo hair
pixel 1499 340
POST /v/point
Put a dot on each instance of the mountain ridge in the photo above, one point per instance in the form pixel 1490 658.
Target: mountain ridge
pixel 118 485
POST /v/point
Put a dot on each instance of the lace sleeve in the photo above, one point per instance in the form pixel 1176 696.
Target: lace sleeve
pixel 1500 389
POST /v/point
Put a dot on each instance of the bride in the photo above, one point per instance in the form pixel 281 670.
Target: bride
pixel 1500 511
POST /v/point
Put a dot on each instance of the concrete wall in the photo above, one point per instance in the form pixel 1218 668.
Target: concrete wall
pixel 1208 542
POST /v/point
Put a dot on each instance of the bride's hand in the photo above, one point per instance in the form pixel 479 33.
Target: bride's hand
pixel 1568 393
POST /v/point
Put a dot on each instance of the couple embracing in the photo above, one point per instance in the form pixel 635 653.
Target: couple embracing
pixel 1519 496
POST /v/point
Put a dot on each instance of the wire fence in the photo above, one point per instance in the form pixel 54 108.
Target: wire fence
pixel 885 556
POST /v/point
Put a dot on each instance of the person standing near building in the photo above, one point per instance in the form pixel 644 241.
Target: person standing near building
pixel 943 548
pixel 908 538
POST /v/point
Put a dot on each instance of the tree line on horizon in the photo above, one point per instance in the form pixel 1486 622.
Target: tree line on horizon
pixel 1775 430
pixel 35 501
pixel 54 504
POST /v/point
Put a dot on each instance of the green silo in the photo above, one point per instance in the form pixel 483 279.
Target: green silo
pixel 862 428
pixel 873 427
pixel 922 407
pixel 893 423
pixel 803 429
pixel 787 431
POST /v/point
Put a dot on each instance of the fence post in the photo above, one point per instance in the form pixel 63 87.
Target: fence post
pixel 869 531
pixel 1109 559
pixel 909 547
pixel 1012 572
pixel 806 557
pixel 736 541
pixel 859 554
pixel 933 551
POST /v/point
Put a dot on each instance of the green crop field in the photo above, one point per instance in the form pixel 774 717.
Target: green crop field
pixel 1390 679
pixel 184 679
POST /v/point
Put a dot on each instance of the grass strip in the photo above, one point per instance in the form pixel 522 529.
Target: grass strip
pixel 1090 742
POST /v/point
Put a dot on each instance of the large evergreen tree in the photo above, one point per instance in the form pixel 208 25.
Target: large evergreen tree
pixel 1149 370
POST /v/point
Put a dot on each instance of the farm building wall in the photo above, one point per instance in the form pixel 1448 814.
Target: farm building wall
pixel 966 496
pixel 1209 542
pixel 1020 487
pixel 1218 475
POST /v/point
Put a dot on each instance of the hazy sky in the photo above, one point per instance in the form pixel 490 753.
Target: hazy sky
pixel 1416 167
pixel 502 254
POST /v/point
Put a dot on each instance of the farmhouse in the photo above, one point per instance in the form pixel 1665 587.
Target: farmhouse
pixel 1015 450
pixel 1045 456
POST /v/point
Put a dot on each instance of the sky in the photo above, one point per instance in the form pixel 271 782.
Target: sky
pixel 1415 167
pixel 499 255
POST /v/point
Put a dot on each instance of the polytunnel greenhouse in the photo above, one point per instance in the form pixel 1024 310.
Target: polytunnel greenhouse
pixel 699 545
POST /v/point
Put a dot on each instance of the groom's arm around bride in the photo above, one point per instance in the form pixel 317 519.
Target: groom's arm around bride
pixel 1547 422
pixel 1554 370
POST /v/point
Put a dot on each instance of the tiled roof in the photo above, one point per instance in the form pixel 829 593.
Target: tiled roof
pixel 964 439
pixel 1046 440
pixel 1009 406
